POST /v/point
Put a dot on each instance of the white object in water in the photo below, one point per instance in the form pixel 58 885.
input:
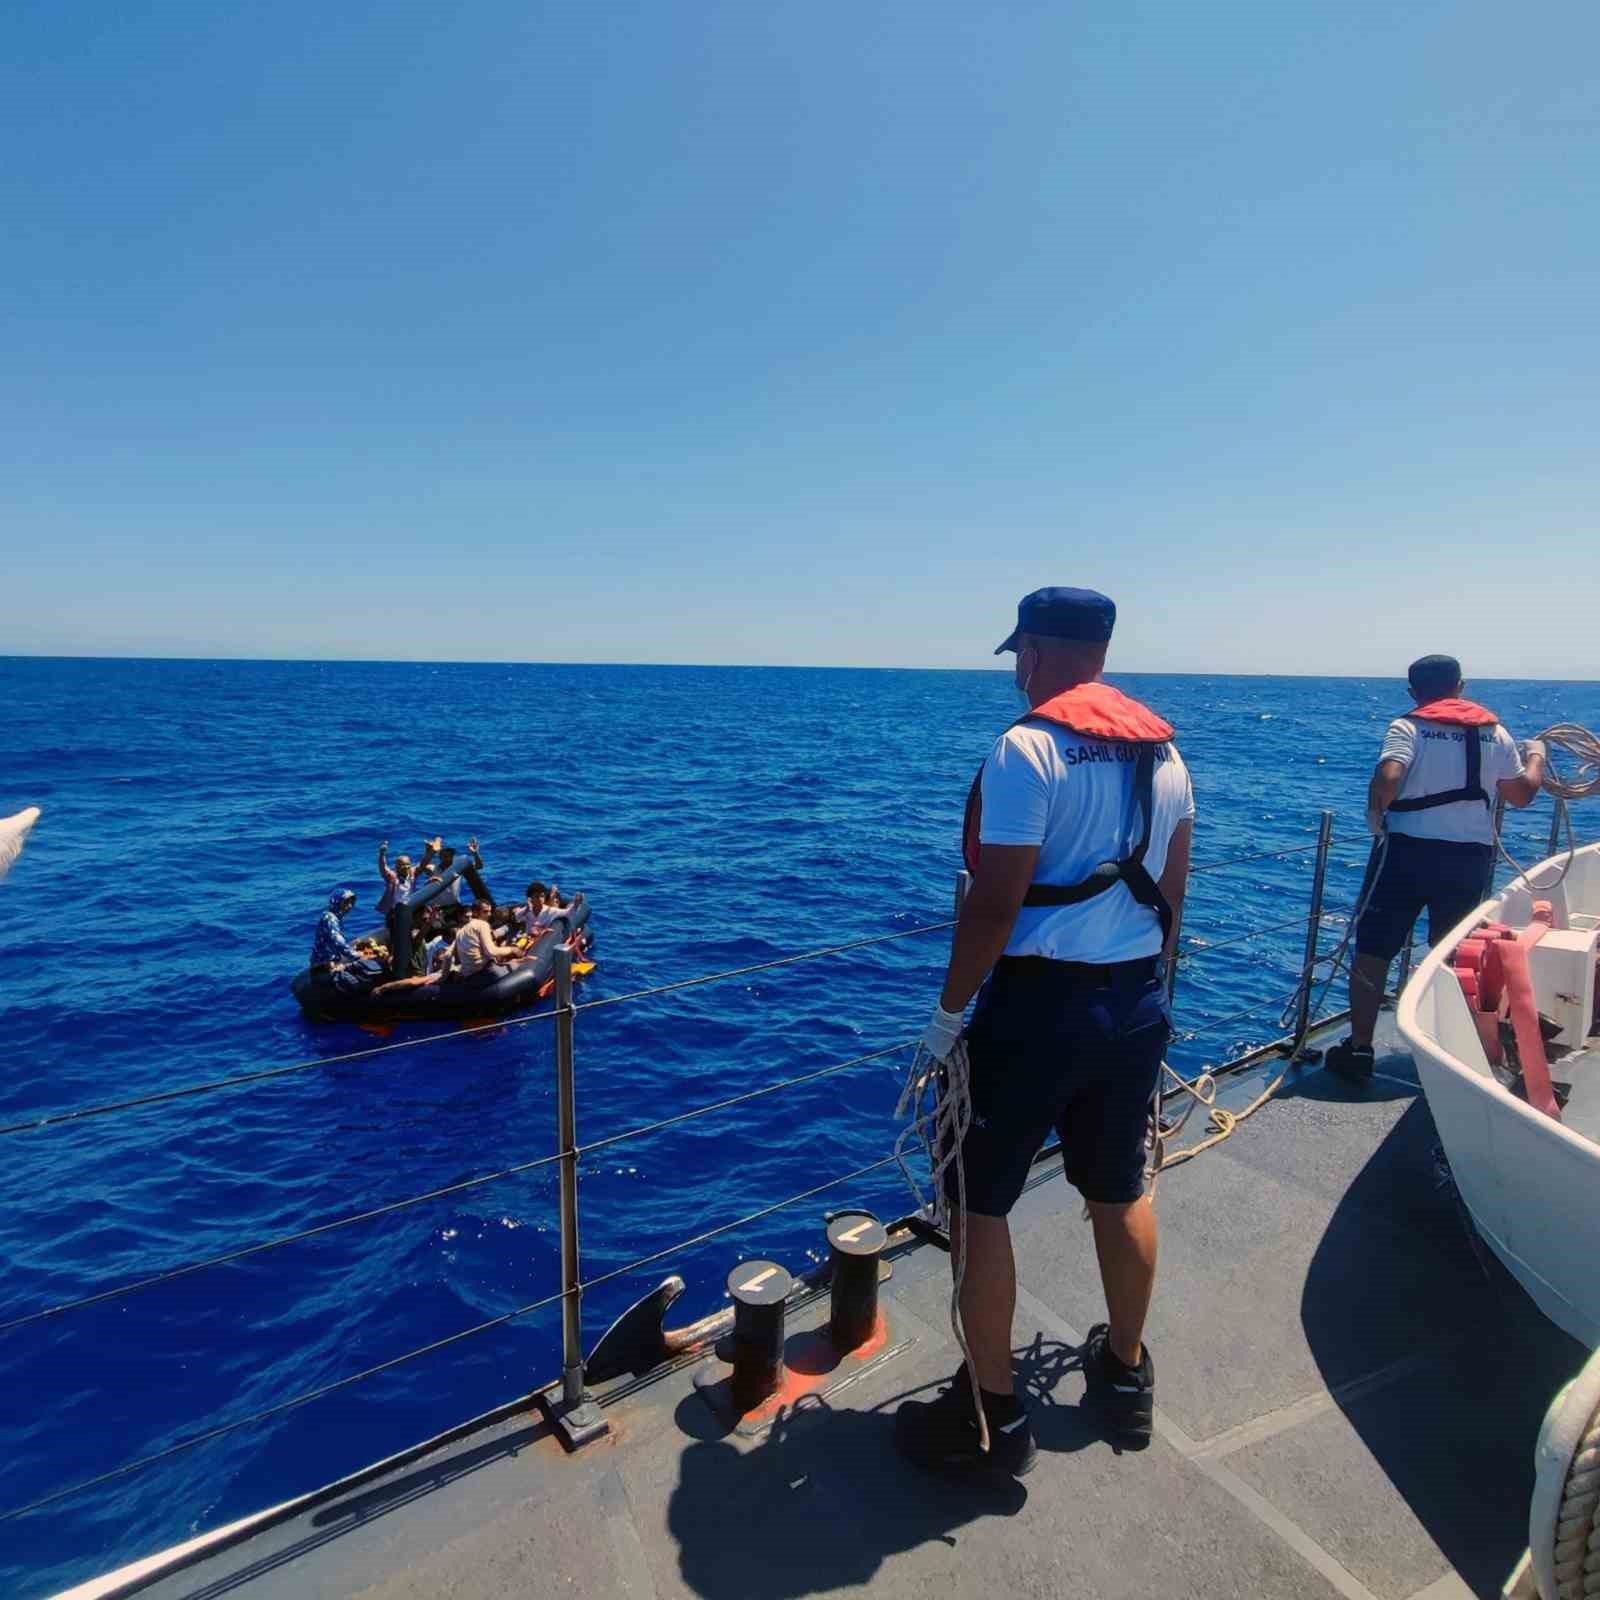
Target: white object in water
pixel 13 834
pixel 1530 1182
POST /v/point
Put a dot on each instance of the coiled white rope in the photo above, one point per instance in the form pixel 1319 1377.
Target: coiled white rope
pixel 1584 746
pixel 936 1102
pixel 1575 1558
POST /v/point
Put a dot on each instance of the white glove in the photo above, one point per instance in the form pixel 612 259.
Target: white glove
pixel 1535 747
pixel 942 1034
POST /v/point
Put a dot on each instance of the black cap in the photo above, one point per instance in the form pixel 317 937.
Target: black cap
pixel 1085 615
pixel 1433 676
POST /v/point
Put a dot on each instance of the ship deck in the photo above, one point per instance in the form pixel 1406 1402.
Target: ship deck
pixel 1348 1398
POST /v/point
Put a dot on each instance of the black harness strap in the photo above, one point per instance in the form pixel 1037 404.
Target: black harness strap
pixel 1472 789
pixel 1130 871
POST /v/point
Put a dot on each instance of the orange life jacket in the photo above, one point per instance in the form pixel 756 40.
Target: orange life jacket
pixel 1097 711
pixel 1456 714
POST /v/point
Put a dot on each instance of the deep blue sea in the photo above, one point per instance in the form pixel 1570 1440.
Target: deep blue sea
pixel 196 815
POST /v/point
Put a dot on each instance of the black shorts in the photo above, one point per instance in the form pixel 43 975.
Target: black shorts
pixel 1055 1046
pixel 1447 876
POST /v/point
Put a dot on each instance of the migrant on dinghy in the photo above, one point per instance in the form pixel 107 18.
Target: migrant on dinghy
pixel 448 962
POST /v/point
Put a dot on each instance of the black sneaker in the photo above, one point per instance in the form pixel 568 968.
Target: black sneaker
pixel 1125 1399
pixel 942 1434
pixel 1351 1061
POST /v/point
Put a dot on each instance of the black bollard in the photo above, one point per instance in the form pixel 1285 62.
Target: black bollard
pixel 759 1290
pixel 855 1241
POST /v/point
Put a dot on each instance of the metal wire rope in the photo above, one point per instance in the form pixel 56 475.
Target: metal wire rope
pixel 1239 938
pixel 1264 855
pixel 729 1227
pixel 271 1244
pixel 278 1409
pixel 1223 1022
pixel 228 1257
pixel 438 1344
pixel 81 1113
pixel 57 1118
pixel 762 966
pixel 736 1100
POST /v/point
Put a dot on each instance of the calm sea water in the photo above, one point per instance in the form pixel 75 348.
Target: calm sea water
pixel 196 815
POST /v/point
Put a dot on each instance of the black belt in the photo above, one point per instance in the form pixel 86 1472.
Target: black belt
pixel 1078 971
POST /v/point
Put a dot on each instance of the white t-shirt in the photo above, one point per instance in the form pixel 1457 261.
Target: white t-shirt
pixel 1435 758
pixel 1073 797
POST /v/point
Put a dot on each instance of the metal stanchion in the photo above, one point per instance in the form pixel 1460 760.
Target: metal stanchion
pixel 577 1417
pixel 963 883
pixel 1302 1025
pixel 1555 830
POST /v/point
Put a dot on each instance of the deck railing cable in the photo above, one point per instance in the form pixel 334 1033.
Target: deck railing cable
pixel 56 1119
pixel 1262 855
pixel 243 1253
pixel 761 966
pixel 739 1099
pixel 227 1258
pixel 157 1097
pixel 1197 950
pixel 265 1413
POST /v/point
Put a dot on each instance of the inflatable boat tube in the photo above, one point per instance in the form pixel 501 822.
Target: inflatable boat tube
pixel 500 990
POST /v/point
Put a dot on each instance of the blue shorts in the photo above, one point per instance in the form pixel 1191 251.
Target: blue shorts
pixel 1069 1048
pixel 1447 876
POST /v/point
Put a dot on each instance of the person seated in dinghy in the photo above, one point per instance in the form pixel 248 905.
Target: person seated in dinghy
pixel 478 954
pixel 332 954
pixel 438 952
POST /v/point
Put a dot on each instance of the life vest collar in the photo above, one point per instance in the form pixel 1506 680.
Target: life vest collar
pixel 1098 711
pixel 1460 714
pixel 1455 712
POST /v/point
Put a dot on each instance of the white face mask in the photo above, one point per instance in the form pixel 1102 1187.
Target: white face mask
pixel 1025 704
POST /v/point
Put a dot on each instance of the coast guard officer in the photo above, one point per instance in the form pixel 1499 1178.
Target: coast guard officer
pixel 1430 794
pixel 1078 835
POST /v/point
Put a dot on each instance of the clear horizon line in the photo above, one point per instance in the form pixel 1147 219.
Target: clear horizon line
pixel 731 666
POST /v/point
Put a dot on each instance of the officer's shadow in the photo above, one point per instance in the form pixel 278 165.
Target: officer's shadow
pixel 826 1498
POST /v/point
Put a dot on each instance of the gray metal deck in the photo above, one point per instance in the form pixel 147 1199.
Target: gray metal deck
pixel 1348 1402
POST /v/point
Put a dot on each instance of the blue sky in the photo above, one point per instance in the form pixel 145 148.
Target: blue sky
pixel 746 332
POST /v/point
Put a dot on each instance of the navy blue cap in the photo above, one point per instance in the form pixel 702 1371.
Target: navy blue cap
pixel 1082 614
pixel 1433 677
